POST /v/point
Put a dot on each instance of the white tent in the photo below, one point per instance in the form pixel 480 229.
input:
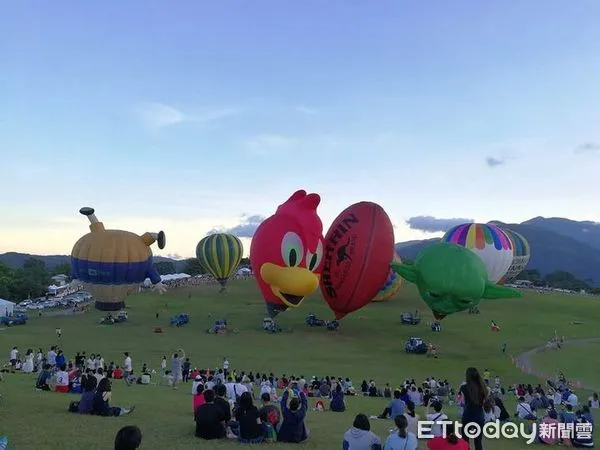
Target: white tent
pixel 174 276
pixel 6 308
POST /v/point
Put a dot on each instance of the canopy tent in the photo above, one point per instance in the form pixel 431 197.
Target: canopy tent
pixel 6 308
pixel 54 289
pixel 174 276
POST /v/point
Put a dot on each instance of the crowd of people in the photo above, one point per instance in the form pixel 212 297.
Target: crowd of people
pixel 247 406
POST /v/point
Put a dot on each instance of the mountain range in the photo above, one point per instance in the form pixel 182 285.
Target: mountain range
pixel 556 244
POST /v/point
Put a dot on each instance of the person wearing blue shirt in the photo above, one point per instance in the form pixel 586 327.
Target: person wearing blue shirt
pixel 401 439
pixel 395 408
pixel 337 400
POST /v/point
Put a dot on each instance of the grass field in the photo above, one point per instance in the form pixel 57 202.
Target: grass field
pixel 369 345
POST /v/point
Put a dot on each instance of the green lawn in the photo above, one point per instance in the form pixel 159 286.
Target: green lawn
pixel 577 362
pixel 368 345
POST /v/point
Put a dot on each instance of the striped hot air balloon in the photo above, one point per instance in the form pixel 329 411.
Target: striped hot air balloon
pixel 487 241
pixel 392 284
pixel 220 254
pixel 521 255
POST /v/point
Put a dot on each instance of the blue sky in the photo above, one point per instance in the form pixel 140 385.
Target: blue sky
pixel 186 115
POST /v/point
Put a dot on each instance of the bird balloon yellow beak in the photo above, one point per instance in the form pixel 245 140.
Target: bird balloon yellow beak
pixel 290 284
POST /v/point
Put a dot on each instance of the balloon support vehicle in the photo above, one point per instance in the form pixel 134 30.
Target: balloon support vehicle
pixel 219 327
pixel 416 346
pixel 180 319
pixel 408 318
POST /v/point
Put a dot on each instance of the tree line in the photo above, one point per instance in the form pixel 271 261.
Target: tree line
pixel 33 278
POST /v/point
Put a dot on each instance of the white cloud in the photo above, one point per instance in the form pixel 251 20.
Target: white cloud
pixel 160 115
pixel 245 229
pixel 265 144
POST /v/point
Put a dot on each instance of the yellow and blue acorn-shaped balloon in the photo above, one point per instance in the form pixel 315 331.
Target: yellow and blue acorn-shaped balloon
pixel 113 263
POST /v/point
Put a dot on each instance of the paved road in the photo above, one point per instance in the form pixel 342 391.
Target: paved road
pixel 523 361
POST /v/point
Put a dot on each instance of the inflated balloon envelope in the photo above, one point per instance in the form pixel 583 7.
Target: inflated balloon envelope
pixel 113 263
pixel 286 252
pixel 451 278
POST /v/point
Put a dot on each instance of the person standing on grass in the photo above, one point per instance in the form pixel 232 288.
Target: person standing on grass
pixel 475 393
pixel 128 438
pixel 127 365
pixel 226 366
pixel 163 366
pixel 176 369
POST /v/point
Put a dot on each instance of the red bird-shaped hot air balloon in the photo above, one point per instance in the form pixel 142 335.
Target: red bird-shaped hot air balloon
pixel 287 252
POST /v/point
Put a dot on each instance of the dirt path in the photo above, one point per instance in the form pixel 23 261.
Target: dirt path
pixel 523 361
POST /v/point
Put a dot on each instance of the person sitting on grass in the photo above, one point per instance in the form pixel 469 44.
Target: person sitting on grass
pixel 44 379
pixel 247 418
pixel 102 398
pixel 117 373
pixel 550 421
pixel 293 429
pixel 210 418
pixel 62 380
pixel 524 411
pixel 128 438
pixel 583 437
pixel 222 402
pixel 448 442
pixel 86 402
pixel 402 439
pixel 270 416
pixel 412 418
pixel 168 379
pixel 198 399
pixel 337 400
pixel 360 436
pixel 436 415
pixel 395 407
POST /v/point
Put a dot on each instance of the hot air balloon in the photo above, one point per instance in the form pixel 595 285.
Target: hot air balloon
pixel 287 253
pixel 392 284
pixel 521 254
pixel 113 263
pixel 487 241
pixel 220 254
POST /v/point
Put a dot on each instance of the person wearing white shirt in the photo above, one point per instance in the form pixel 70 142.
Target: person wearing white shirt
pixel 14 356
pixel 52 357
pixel 99 362
pixel 437 416
pixel 225 365
pixel 230 387
pixel 572 400
pixel 127 365
pixel 62 381
pixel 196 383
pixel 91 362
pixel 593 401
pixel 557 399
pixel 210 384
pixel 265 388
pixel 524 410
pixel 163 368
pixel 99 375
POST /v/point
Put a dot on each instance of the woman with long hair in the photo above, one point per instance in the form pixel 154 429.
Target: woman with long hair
pixel 101 404
pixel 251 430
pixel 401 439
pixel 475 393
pixel 448 441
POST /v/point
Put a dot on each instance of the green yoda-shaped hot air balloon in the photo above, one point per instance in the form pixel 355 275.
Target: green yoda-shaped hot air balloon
pixel 451 278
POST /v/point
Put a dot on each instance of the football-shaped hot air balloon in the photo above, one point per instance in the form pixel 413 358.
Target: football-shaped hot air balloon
pixel 113 263
pixel 359 247
pixel 487 241
pixel 521 255
pixel 391 285
pixel 220 254
pixel 286 253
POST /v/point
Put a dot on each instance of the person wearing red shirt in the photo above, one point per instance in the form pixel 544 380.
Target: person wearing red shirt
pixel 118 373
pixel 450 442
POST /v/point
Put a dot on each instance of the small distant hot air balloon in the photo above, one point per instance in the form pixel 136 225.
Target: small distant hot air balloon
pixel 521 255
pixel 487 241
pixel 113 263
pixel 220 254
pixel 392 284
